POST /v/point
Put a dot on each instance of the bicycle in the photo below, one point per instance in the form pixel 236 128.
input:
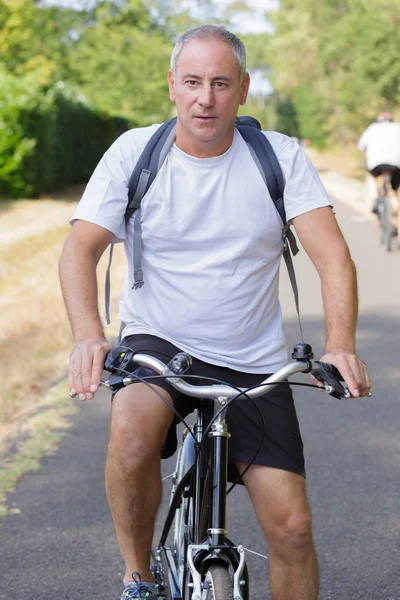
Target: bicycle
pixel 384 211
pixel 194 558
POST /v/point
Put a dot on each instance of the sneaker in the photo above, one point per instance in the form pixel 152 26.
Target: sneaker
pixel 139 589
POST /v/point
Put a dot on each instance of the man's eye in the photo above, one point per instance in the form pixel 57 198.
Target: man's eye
pixel 191 81
pixel 220 84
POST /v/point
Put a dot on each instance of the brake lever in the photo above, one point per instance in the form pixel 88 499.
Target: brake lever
pixel 331 378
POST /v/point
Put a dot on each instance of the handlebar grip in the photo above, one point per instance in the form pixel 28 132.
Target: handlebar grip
pixel 332 370
pixel 118 358
pixel 329 374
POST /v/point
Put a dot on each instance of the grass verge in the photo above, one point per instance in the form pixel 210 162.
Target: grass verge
pixel 346 161
pixel 39 437
pixel 35 335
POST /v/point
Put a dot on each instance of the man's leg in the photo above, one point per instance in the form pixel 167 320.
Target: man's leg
pixel 139 425
pixel 373 192
pixel 394 198
pixel 396 201
pixel 280 502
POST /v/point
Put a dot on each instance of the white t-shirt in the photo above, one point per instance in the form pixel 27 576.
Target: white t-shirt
pixel 382 144
pixel 211 247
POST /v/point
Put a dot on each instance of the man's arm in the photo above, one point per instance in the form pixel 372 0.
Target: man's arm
pixel 323 241
pixel 78 262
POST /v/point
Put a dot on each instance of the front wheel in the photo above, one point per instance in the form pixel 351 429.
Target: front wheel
pixel 218 584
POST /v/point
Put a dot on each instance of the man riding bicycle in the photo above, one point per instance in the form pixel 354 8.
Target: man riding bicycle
pixel 211 245
pixel 380 145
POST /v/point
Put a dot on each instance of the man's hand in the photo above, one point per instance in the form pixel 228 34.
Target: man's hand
pixel 353 371
pixel 86 366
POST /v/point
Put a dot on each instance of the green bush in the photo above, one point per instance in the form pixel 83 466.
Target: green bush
pixel 48 139
pixel 312 116
pixel 16 97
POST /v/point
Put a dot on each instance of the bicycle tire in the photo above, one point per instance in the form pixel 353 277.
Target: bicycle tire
pixel 218 584
pixel 184 515
pixel 381 217
pixel 386 223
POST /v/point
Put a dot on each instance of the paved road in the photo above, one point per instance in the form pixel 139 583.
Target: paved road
pixel 62 546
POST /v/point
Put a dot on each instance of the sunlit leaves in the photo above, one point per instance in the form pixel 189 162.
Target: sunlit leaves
pixel 345 53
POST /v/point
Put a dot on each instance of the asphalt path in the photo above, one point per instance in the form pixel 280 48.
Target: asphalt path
pixel 61 545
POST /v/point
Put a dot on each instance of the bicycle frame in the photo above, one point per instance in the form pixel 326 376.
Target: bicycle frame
pixel 209 541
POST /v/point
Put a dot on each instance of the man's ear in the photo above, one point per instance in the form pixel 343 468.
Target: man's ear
pixel 171 86
pixel 244 88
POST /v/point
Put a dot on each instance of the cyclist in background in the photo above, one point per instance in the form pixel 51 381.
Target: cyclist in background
pixel 211 250
pixel 380 144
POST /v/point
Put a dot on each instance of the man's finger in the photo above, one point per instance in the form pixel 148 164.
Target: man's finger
pixel 348 375
pixel 76 370
pixel 360 371
pixel 97 368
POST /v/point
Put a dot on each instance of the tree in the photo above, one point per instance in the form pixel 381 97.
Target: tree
pixel 340 58
pixel 121 61
pixel 35 40
pixel 287 121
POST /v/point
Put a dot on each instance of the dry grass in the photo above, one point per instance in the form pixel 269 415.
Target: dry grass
pixel 347 161
pixel 35 338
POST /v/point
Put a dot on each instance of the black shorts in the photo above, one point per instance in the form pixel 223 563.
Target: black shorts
pixel 395 171
pixel 282 446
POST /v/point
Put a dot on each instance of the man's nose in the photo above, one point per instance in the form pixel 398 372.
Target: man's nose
pixel 206 96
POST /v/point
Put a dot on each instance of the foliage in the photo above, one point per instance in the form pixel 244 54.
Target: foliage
pixel 287 119
pixel 48 140
pixel 36 40
pixel 17 97
pixel 257 51
pixel 173 18
pixel 345 53
pixel 135 85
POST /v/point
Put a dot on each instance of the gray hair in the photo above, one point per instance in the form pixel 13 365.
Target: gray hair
pixel 217 32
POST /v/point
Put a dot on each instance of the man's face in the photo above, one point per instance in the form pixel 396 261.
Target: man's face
pixel 207 91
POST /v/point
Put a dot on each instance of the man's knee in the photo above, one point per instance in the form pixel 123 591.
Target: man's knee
pixel 139 426
pixel 280 500
pixel 291 534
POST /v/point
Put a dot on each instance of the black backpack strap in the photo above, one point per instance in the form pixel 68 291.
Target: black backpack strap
pixel 143 175
pixel 150 162
pixel 267 162
pixel 270 169
pixel 287 255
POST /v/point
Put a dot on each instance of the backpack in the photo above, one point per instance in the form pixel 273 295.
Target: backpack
pixel 151 161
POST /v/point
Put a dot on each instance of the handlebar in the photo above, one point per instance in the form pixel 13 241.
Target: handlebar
pixel 124 360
